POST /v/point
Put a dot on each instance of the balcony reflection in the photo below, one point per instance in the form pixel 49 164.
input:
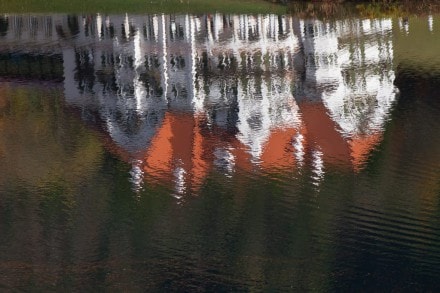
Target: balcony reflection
pixel 180 96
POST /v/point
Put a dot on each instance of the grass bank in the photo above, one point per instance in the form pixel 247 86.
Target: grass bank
pixel 314 9
pixel 140 6
pixel 363 9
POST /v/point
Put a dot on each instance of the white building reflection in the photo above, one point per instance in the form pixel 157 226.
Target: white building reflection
pixel 180 95
pixel 348 68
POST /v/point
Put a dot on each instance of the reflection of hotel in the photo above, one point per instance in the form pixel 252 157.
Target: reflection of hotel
pixel 348 77
pixel 181 95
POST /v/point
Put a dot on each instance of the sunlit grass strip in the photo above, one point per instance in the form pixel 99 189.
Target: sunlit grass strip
pixel 364 9
pixel 140 6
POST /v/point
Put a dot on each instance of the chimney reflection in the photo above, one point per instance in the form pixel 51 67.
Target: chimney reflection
pixel 181 96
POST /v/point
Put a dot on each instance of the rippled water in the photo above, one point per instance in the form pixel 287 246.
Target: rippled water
pixel 219 153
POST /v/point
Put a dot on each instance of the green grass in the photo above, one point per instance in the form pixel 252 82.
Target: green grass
pixel 331 9
pixel 140 6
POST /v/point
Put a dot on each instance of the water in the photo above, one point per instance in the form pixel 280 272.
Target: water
pixel 219 153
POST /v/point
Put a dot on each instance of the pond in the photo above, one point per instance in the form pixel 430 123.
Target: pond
pixel 219 152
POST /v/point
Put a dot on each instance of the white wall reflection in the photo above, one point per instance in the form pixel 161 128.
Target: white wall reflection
pixel 350 68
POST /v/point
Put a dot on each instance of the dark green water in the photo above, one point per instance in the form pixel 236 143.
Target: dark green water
pixel 219 153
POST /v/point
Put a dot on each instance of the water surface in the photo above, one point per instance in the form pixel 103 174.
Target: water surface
pixel 219 153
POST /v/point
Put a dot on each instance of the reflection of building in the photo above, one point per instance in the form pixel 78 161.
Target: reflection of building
pixel 181 95
pixel 347 69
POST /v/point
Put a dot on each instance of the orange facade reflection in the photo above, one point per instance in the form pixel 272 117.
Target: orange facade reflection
pixel 179 151
pixel 183 149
